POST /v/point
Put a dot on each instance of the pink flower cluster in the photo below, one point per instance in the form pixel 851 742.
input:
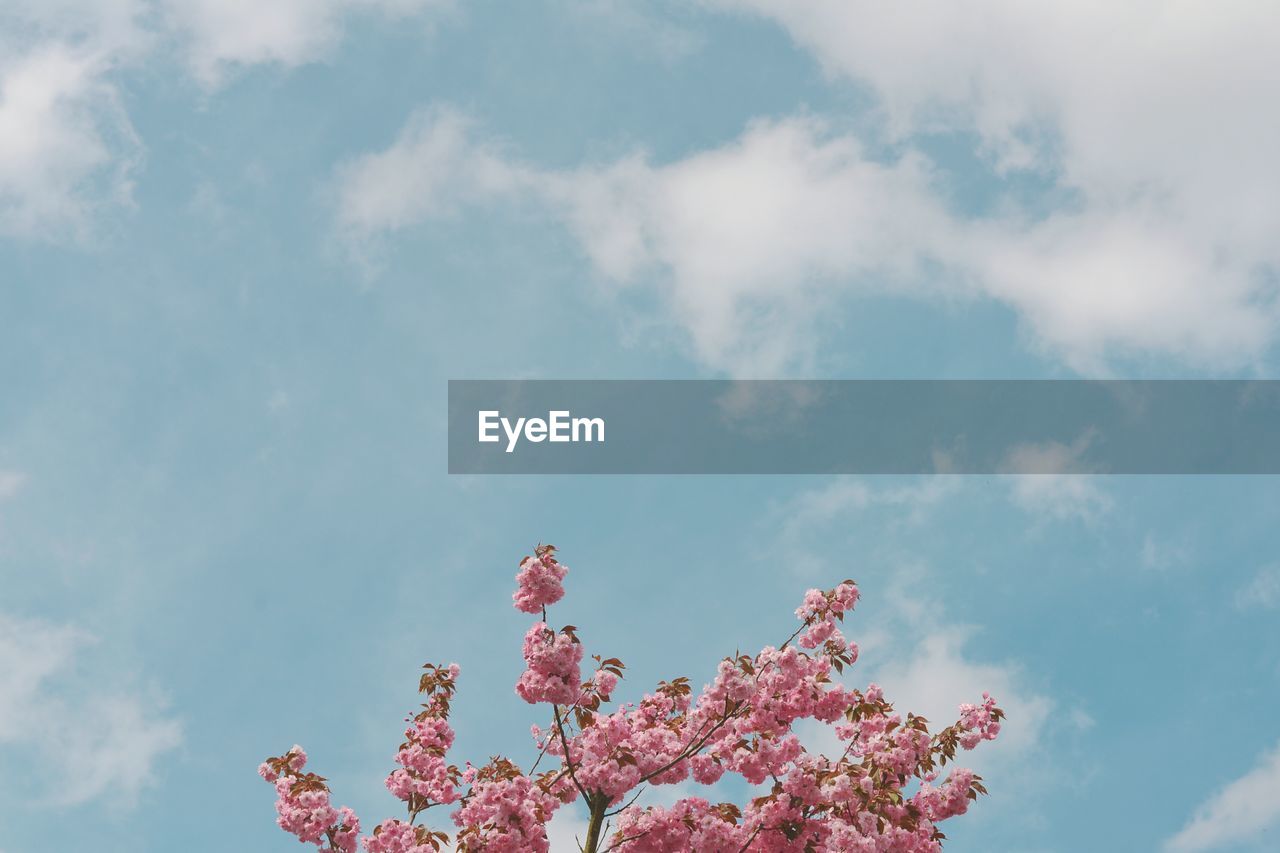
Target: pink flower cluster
pixel 740 723
pixel 303 807
pixel 817 805
pixel 424 778
pixel 506 815
pixel 820 612
pixel 552 667
pixel 882 738
pixel 396 836
pixel 881 794
pixel 539 582
pixel 948 800
pixel 689 824
pixel 981 722
pixel 423 771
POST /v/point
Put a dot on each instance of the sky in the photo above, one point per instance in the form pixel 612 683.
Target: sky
pixel 243 246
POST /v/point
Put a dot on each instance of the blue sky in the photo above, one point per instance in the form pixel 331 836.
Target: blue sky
pixel 241 251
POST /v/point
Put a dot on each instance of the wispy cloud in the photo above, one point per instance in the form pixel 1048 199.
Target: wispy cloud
pixel 1149 256
pixel 10 483
pixel 1237 814
pixel 925 662
pixel 919 652
pixel 750 244
pixel 1052 480
pixel 90 738
pixel 745 238
pixel 435 167
pixel 221 37
pixel 1262 591
pixel 844 496
pixel 567 828
pixel 1160 554
pixel 823 513
pixel 69 151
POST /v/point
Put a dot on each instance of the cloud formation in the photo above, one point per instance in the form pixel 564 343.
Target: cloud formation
pixel 1152 238
pixel 1263 591
pixel 1051 480
pixel 909 644
pixel 844 496
pixel 1151 116
pixel 67 147
pixel 69 152
pixel 744 241
pixel 1237 814
pixel 933 670
pixel 10 483
pixel 435 167
pixel 222 36
pixel 755 245
pixel 45 706
pixel 87 739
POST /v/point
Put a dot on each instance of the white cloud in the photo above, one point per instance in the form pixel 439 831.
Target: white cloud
pixel 567 828
pixel 10 483
pixel 1158 554
pixel 222 36
pixel 1160 140
pixel 1050 479
pixel 823 514
pixel 1154 114
pixel 1150 120
pixel 919 654
pixel 924 663
pixel 1109 282
pixel 935 674
pixel 1262 591
pixel 434 167
pixel 846 495
pixel 745 239
pixel 102 26
pixel 1112 97
pixel 752 244
pixel 67 148
pixel 1237 814
pixel 91 740
pixel 749 240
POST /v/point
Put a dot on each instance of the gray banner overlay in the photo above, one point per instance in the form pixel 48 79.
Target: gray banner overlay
pixel 864 427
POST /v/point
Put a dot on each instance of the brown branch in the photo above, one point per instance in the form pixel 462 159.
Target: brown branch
pixel 568 759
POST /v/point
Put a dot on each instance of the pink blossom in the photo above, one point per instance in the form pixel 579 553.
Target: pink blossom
pixel 879 795
pixel 539 581
pixel 553 667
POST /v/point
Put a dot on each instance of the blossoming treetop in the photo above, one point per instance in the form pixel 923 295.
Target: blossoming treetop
pixel 881 793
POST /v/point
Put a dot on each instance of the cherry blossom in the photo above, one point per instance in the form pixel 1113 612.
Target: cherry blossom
pixel 881 793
